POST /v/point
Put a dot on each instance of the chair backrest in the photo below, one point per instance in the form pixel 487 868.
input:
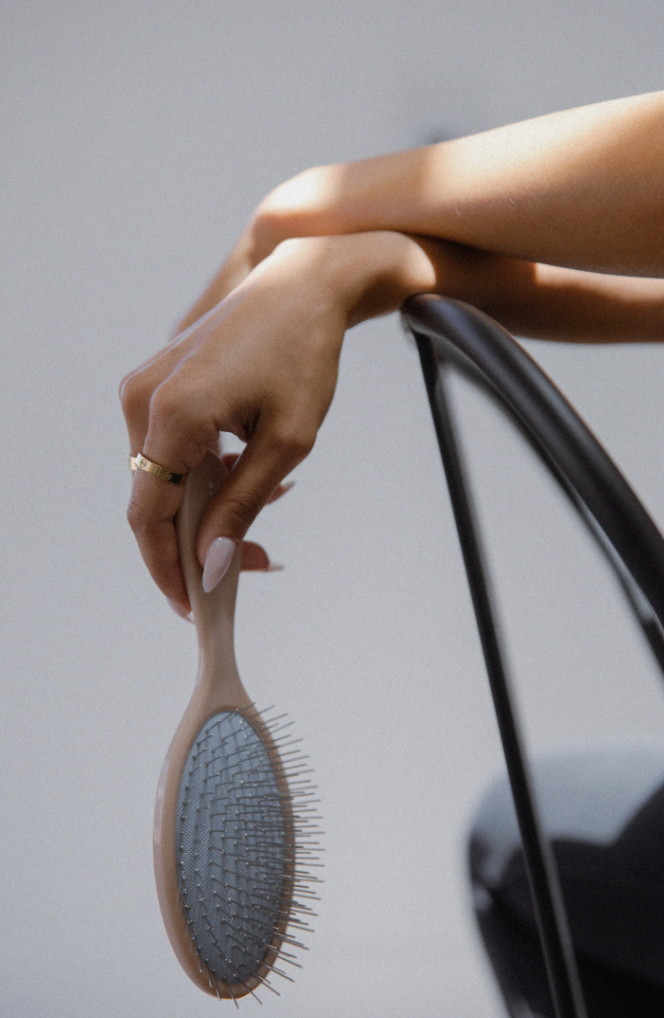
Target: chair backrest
pixel 451 333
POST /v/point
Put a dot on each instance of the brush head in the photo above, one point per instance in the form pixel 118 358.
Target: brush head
pixel 245 845
pixel 233 840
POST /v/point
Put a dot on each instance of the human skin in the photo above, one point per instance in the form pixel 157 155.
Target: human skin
pixel 526 222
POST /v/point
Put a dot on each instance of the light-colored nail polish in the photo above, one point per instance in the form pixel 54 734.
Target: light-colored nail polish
pixel 217 562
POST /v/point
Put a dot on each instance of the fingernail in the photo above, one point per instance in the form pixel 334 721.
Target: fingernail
pixel 217 562
pixel 274 567
pixel 179 611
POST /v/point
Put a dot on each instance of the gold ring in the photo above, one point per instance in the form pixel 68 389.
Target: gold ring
pixel 141 462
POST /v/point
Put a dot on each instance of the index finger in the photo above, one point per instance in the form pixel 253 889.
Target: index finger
pixel 270 454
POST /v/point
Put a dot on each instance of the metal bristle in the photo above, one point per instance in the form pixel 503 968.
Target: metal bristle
pixel 246 843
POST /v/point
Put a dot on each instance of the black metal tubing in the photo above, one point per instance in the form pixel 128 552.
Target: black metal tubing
pixel 448 331
pixel 486 352
pixel 540 865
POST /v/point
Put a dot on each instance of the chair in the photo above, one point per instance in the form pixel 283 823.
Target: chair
pixel 601 934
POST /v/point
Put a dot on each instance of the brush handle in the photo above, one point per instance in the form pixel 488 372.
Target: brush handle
pixel 218 689
pixel 214 613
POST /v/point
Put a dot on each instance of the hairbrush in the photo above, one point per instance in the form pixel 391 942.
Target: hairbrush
pixel 235 836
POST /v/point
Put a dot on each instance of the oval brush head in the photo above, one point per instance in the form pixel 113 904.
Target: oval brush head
pixel 235 834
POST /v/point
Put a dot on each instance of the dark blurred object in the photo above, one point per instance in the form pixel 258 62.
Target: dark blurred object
pixel 603 809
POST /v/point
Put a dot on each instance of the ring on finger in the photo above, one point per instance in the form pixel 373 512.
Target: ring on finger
pixel 141 462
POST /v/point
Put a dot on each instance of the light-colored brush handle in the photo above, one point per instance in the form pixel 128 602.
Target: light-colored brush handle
pixel 218 688
pixel 214 613
pixel 220 692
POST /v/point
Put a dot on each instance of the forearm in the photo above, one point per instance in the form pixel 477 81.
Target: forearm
pixel 583 188
pixel 374 273
pixel 547 302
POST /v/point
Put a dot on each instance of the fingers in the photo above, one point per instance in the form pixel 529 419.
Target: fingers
pixel 151 512
pixel 250 485
pixel 255 559
pixel 229 460
pixel 136 391
pixel 160 429
pixel 152 508
pixel 155 502
pixel 281 489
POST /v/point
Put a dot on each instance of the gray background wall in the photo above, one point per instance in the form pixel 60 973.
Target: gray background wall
pixel 136 138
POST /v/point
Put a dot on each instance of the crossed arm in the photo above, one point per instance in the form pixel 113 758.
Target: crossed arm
pixel 554 226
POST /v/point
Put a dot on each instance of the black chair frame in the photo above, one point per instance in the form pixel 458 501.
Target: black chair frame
pixel 451 333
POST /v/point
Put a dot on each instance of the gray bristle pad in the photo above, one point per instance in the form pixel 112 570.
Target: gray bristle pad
pixel 231 845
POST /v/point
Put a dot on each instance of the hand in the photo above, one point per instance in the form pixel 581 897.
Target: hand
pixel 261 364
pixel 254 557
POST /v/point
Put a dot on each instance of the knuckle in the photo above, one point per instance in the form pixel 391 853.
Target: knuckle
pixel 174 404
pixel 241 508
pixel 135 518
pixel 125 381
pixel 294 440
pixel 166 406
pixel 177 414
pixel 171 412
pixel 134 395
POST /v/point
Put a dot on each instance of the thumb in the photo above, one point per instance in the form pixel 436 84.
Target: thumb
pixel 266 460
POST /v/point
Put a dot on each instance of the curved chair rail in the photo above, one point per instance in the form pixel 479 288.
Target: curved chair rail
pixel 449 332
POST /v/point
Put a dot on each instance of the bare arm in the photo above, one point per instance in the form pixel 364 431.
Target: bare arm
pixel 569 305
pixel 263 362
pixel 511 220
pixel 529 299
pixel 583 188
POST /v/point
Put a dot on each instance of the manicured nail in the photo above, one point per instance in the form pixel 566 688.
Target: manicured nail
pixel 274 567
pixel 180 611
pixel 217 562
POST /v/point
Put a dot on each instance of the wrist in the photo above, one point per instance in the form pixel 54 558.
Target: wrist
pixel 361 275
pixel 374 273
pixel 353 277
pixel 380 270
pixel 365 275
